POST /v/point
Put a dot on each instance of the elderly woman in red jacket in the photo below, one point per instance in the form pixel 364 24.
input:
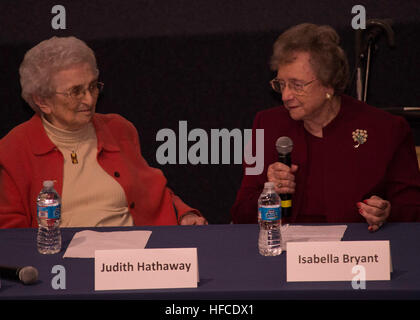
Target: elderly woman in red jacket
pixel 94 158
pixel 350 162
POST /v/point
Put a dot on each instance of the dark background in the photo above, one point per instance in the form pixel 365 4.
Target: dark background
pixel 203 61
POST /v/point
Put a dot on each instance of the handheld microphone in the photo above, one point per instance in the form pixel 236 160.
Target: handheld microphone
pixel 284 146
pixel 26 275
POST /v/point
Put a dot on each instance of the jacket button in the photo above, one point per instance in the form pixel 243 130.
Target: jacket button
pixel 117 174
pixel 132 204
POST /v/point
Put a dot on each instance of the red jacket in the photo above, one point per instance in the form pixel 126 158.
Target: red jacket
pixel 386 166
pixel 28 157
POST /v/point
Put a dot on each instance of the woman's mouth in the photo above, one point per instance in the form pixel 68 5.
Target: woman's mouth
pixel 85 110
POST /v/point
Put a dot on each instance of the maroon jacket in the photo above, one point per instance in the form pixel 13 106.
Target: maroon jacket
pixel 385 165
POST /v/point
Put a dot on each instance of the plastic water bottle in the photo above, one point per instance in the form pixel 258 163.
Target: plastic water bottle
pixel 269 219
pixel 49 214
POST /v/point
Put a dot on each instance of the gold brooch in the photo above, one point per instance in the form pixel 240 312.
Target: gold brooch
pixel 360 137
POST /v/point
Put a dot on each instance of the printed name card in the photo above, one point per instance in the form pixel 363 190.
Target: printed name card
pixel 146 269
pixel 335 260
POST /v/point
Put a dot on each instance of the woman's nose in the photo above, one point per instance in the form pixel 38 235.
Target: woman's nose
pixel 88 97
pixel 287 94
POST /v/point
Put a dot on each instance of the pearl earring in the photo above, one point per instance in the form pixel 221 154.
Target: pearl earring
pixel 328 96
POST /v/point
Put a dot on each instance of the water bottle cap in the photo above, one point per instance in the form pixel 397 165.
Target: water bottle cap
pixel 269 185
pixel 48 184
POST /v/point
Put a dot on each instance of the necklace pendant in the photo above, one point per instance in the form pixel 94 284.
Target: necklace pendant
pixel 74 158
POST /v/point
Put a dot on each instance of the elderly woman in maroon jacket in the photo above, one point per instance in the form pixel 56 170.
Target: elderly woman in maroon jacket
pixel 351 162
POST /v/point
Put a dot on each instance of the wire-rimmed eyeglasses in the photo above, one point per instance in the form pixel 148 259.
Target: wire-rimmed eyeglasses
pixel 295 86
pixel 78 92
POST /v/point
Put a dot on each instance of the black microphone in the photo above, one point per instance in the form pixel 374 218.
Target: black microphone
pixel 401 109
pixel 26 275
pixel 376 27
pixel 284 146
pixel 410 113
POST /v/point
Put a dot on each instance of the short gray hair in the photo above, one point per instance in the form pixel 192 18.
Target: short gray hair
pixel 328 59
pixel 45 59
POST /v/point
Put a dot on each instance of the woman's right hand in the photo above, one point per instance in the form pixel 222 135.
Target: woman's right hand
pixel 283 177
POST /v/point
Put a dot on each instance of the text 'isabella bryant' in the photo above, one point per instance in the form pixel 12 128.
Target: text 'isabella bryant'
pixel 330 258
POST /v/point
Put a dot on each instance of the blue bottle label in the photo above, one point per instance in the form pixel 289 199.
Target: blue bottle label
pixel 51 212
pixel 270 213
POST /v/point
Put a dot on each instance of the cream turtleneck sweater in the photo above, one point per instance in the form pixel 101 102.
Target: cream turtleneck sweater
pixel 90 196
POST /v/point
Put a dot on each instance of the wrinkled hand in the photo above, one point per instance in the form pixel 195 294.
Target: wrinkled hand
pixel 191 218
pixel 282 176
pixel 375 210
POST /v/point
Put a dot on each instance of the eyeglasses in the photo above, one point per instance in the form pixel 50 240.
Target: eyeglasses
pixel 295 86
pixel 78 92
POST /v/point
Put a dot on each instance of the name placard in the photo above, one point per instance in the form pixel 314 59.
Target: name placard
pixel 146 269
pixel 335 260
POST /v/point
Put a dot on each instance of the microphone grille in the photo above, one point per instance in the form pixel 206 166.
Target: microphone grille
pixel 284 145
pixel 28 275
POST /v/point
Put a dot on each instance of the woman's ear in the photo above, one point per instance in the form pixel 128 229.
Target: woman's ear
pixel 43 104
pixel 329 93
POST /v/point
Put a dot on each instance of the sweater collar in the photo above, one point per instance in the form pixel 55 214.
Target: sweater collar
pixel 65 137
pixel 41 144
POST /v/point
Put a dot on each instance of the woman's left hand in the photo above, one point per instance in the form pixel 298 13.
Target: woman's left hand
pixel 191 218
pixel 375 210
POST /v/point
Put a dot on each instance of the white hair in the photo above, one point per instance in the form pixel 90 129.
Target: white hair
pixel 47 58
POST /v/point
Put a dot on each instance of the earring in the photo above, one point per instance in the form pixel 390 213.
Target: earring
pixel 328 96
